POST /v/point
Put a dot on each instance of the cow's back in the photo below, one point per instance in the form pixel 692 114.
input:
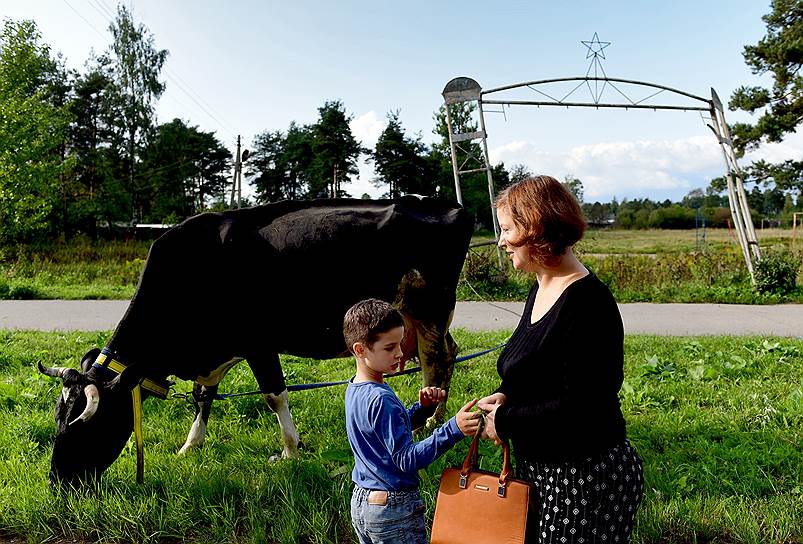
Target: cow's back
pixel 315 261
pixel 280 277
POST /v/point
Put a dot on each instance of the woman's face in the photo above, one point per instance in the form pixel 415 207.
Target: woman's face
pixel 519 255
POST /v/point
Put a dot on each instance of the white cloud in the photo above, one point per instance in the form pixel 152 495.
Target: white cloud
pixel 656 169
pixel 366 128
pixel 790 148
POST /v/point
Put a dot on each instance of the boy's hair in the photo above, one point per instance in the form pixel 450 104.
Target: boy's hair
pixel 547 213
pixel 367 319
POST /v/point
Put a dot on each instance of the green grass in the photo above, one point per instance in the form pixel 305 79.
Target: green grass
pixel 81 269
pixel 717 420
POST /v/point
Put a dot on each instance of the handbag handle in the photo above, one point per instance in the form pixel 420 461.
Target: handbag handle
pixel 471 463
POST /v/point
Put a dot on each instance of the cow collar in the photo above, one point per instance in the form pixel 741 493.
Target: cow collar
pixel 109 364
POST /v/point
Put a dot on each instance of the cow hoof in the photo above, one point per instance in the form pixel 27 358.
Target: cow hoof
pixel 275 458
pixel 187 447
pixel 286 454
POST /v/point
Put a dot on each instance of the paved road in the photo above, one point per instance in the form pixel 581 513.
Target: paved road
pixel 640 318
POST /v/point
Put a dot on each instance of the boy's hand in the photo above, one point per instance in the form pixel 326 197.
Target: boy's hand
pixel 467 421
pixel 430 396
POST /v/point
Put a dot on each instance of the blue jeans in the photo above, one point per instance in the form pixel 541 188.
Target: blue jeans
pixel 400 521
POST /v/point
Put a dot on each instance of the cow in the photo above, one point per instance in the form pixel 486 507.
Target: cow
pixel 250 284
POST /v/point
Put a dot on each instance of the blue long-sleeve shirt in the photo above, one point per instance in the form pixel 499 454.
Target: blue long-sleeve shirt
pixel 380 434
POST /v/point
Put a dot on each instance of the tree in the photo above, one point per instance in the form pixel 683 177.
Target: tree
pixel 33 129
pixel 519 172
pixel 280 164
pixel 91 174
pixel 334 152
pixel 575 186
pixel 780 53
pixel 183 168
pixel 134 66
pixel 401 162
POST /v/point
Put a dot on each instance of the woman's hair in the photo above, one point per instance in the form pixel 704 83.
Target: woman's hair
pixel 367 319
pixel 547 214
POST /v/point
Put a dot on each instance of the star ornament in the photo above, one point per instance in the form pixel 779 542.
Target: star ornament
pixel 595 47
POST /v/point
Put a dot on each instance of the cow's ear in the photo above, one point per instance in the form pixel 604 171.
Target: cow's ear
pixel 125 381
pixel 89 358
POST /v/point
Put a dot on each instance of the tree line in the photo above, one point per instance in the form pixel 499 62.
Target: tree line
pixel 80 152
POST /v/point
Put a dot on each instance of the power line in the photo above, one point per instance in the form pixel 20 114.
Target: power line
pixel 85 20
pixel 105 12
pixel 174 78
pixel 104 9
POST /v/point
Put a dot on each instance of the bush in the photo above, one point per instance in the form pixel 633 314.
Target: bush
pixel 481 265
pixel 22 291
pixel 777 271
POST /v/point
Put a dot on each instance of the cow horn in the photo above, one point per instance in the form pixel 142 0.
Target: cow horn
pixel 92 400
pixel 53 372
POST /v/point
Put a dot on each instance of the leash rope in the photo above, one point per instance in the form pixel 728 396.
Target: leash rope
pixel 318 385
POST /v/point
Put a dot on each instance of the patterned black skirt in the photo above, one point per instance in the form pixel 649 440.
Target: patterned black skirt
pixel 591 500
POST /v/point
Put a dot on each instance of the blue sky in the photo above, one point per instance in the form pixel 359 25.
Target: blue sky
pixel 249 66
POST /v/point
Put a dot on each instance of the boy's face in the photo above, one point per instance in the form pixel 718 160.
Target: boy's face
pixel 385 355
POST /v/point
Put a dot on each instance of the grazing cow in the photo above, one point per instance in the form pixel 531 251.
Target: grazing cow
pixel 251 284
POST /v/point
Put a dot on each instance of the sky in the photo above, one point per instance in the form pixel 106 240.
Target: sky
pixel 250 66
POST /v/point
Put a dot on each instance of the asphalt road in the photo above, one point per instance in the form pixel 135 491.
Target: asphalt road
pixel 639 318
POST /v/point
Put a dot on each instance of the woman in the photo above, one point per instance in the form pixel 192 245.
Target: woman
pixel 561 373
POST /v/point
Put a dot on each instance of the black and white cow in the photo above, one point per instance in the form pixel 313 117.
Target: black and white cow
pixel 253 283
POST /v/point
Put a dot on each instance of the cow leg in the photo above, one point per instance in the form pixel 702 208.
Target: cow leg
pixel 203 396
pixel 271 381
pixel 436 352
pixel 203 393
pixel 280 405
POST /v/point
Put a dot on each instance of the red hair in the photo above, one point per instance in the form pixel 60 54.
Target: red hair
pixel 547 213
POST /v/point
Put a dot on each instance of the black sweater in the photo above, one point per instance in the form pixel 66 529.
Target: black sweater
pixel 562 375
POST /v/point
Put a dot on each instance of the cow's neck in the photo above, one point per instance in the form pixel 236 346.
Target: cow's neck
pixel 138 350
pixel 109 365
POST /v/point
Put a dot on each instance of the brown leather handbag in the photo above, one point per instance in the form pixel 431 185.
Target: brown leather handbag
pixel 476 506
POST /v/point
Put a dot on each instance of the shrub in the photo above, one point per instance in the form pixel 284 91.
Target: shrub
pixel 481 265
pixel 22 291
pixel 776 272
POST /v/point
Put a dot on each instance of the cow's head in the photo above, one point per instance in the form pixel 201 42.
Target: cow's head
pixel 93 422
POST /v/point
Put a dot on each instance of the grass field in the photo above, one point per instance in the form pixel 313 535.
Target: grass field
pixel 718 422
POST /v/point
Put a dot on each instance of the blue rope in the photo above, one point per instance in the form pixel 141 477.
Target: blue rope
pixel 307 386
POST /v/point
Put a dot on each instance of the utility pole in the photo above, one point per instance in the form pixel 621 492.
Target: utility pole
pixel 237 179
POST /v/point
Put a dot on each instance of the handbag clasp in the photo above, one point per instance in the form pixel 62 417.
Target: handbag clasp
pixel 463 481
pixel 501 489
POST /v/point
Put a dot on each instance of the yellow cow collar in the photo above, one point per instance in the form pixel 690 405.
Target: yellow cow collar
pixel 105 361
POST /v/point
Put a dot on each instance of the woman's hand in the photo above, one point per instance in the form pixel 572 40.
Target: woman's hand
pixel 467 421
pixel 430 396
pixel 489 431
pixel 486 404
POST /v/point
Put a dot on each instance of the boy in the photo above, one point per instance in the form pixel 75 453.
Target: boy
pixel 385 505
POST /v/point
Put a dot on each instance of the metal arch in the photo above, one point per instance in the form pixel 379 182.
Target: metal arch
pixel 464 89
pixel 596 104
